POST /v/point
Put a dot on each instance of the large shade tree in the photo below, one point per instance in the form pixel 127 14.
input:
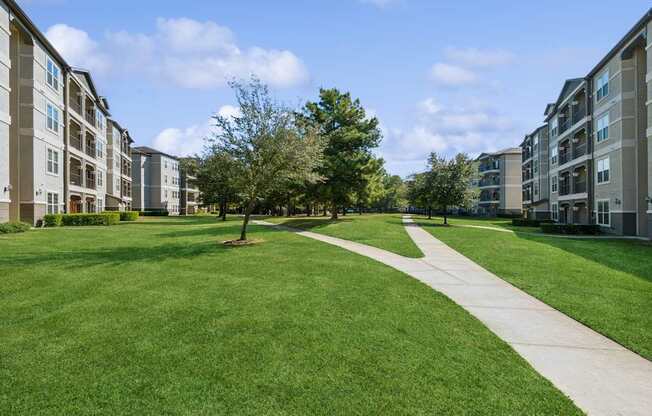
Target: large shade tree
pixel 269 151
pixel 449 179
pixel 349 136
pixel 216 179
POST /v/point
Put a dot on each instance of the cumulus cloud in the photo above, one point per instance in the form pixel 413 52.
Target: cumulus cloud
pixel 470 128
pixel 452 75
pixel 186 52
pixel 474 57
pixel 78 48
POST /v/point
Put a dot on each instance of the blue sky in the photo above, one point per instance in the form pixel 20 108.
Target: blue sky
pixel 443 76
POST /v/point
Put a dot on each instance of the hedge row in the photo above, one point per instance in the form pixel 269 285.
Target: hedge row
pixel 76 220
pixel 525 222
pixel 14 227
pixel 573 229
pixel 154 213
pixel 129 215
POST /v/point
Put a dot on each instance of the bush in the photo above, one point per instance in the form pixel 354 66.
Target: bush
pixel 14 227
pixel 77 220
pixel 155 213
pixel 571 229
pixel 526 222
pixel 129 216
pixel 52 220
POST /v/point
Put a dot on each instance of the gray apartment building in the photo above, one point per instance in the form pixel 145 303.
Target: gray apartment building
pixel 156 181
pixel 53 127
pixel 536 191
pixel 189 201
pixel 500 182
pixel 599 130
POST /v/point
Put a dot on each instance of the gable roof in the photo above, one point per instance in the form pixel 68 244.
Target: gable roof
pixel 88 80
pixel 151 151
pixel 569 86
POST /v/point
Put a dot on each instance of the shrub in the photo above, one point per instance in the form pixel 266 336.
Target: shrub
pixel 52 220
pixel 156 213
pixel 105 218
pixel 571 229
pixel 526 222
pixel 14 227
pixel 129 216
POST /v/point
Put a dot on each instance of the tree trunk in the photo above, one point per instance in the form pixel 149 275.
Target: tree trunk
pixel 429 213
pixel 445 215
pixel 333 212
pixel 223 209
pixel 360 210
pixel 245 222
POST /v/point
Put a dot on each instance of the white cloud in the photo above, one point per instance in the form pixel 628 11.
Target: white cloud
pixel 229 111
pixel 452 75
pixel 183 51
pixel 469 128
pixel 78 48
pixel 474 57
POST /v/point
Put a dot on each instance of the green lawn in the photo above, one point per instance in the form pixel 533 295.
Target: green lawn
pixel 157 317
pixel 606 284
pixel 384 231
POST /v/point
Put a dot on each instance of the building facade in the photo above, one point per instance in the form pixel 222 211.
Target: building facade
pixel 189 201
pixel 156 181
pixel 119 163
pixel 53 127
pixel 536 191
pixel 599 133
pixel 500 183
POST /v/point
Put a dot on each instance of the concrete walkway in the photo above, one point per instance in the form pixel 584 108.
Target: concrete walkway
pixel 599 375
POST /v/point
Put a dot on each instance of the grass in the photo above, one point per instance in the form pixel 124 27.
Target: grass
pixel 384 231
pixel 156 317
pixel 605 284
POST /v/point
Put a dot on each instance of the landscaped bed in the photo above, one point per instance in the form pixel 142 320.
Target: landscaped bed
pixel 158 317
pixel 606 284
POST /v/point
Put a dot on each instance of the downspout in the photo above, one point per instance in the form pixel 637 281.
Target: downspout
pixel 589 143
pixel 66 140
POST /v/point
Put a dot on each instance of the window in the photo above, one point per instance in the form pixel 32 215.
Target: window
pixel 603 212
pixel 603 128
pixel 554 183
pixel 53 162
pixel 535 143
pixel 603 170
pixel 553 127
pixel 52 118
pixel 553 155
pixel 100 205
pixel 166 194
pixel 99 149
pixel 52 74
pixel 536 166
pixel 555 212
pixel 166 179
pixel 165 164
pixel 536 188
pixel 53 203
pixel 100 178
pixel 602 85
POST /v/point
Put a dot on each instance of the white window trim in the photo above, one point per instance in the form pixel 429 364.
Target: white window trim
pixel 47 172
pixel 58 204
pixel 54 65
pixel 555 181
pixel 554 211
pixel 608 127
pixel 597 170
pixel 597 212
pixel 54 108
pixel 605 72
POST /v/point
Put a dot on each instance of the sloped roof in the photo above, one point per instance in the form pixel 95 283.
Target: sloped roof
pixel 151 151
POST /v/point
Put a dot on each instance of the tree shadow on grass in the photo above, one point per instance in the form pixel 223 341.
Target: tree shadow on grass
pixel 232 231
pixel 116 255
pixel 628 256
pixel 306 223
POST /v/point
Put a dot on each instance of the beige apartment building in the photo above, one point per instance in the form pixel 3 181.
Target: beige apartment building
pixel 600 127
pixel 53 127
pixel 118 183
pixel 500 183
pixel 156 181
pixel 189 201
pixel 536 191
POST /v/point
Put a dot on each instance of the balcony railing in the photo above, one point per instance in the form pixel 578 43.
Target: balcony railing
pixel 76 105
pixel 90 149
pixel 564 157
pixel 90 182
pixel 579 113
pixel 490 182
pixel 579 187
pixel 75 179
pixel 564 125
pixel 564 188
pixel 489 166
pixel 90 116
pixel 579 150
pixel 76 142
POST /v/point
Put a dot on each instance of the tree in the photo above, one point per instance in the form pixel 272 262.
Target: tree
pixel 268 149
pixel 450 181
pixel 420 191
pixel 370 187
pixel 349 137
pixel 394 194
pixel 216 180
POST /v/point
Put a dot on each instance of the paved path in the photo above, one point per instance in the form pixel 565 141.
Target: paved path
pixel 599 375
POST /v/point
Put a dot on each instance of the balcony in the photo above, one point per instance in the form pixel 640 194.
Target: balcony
pixel 90 148
pixel 579 187
pixel 564 187
pixel 76 179
pixel 76 142
pixel 579 150
pixel 489 166
pixel 490 182
pixel 579 112
pixel 564 157
pixel 564 124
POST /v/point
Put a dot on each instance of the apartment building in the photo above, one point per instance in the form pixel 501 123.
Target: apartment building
pixel 156 181
pixel 536 191
pixel 500 182
pixel 189 201
pixel 600 127
pixel 53 127
pixel 119 163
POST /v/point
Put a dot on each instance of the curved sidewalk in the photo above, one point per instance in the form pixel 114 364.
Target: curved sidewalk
pixel 599 375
